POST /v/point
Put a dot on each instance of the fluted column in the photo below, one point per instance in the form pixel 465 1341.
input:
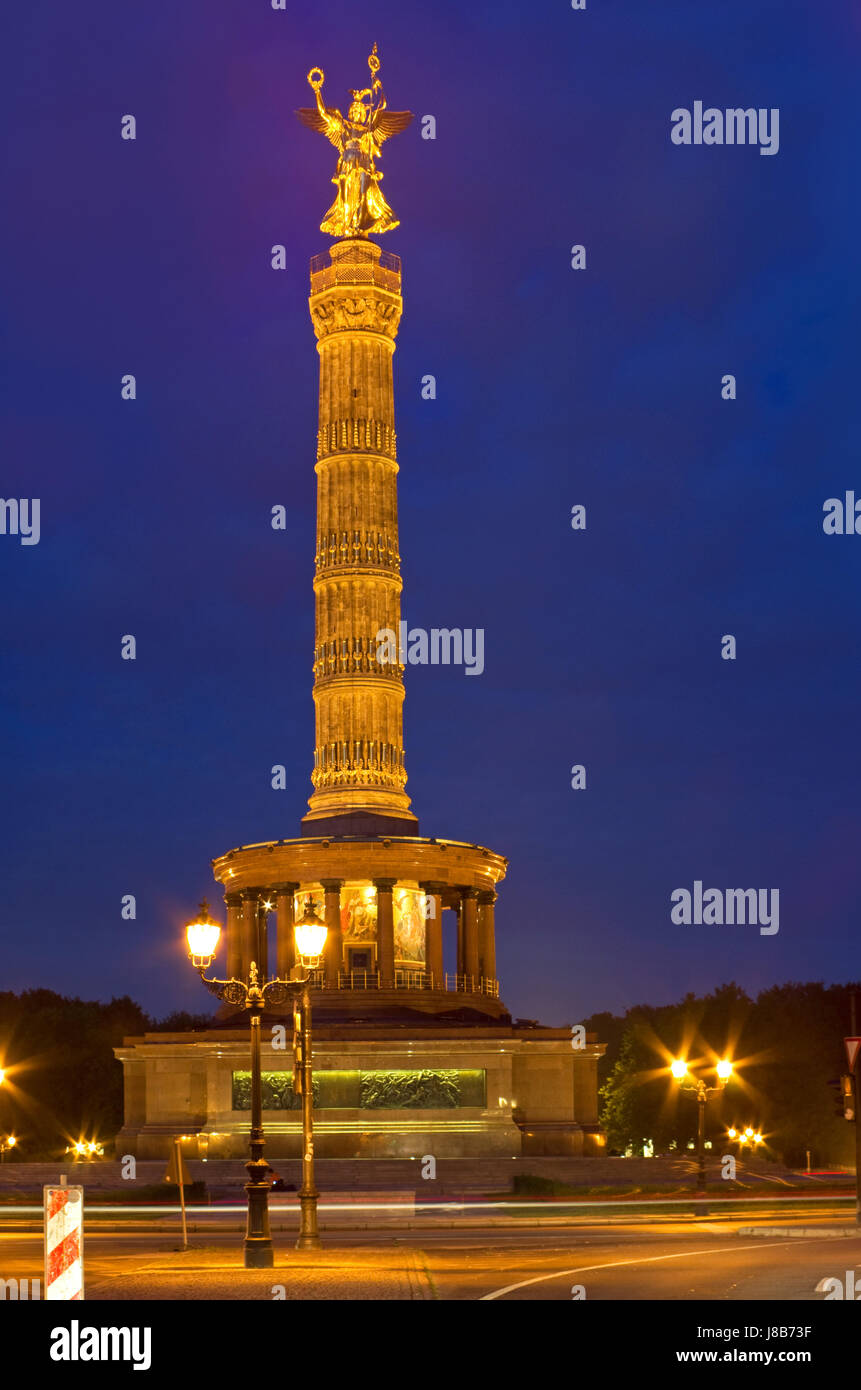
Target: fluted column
pixel 250 898
pixel 487 934
pixel 385 931
pixel 334 957
pixel 433 933
pixel 285 942
pixel 469 904
pixel 358 693
pixel 233 903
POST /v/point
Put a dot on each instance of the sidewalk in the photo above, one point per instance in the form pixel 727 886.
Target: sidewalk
pixel 348 1275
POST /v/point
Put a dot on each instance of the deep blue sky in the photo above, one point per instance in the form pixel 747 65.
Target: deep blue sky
pixel 554 387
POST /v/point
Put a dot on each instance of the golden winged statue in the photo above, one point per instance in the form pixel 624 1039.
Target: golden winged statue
pixel 359 209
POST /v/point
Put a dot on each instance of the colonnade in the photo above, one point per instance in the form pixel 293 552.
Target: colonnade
pixel 248 913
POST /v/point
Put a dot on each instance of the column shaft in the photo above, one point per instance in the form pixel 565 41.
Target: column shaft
pixel 285 943
pixel 487 934
pixel 249 929
pixel 470 935
pixel 334 957
pixel 385 932
pixel 262 940
pixel 433 933
pixel 233 902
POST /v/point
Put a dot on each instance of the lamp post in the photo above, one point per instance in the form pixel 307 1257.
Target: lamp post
pixel 7 1141
pixel 703 1093
pixel 202 935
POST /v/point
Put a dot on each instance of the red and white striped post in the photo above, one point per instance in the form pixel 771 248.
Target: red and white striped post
pixel 64 1241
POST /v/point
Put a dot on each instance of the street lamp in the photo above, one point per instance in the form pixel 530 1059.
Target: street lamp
pixel 310 933
pixel 7 1141
pixel 703 1093
pixel 750 1136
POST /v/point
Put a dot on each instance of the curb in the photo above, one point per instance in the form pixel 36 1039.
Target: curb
pixel 829 1232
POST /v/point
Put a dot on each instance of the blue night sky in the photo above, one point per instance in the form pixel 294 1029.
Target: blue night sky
pixel 555 387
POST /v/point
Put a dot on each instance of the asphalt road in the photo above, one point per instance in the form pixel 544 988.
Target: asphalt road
pixel 665 1260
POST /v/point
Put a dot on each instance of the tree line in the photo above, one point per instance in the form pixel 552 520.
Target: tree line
pixel 63 1083
pixel 787 1049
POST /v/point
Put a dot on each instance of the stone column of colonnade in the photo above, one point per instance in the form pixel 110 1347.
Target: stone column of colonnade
pixel 433 933
pixel 250 912
pixel 486 934
pixel 233 903
pixel 334 949
pixel 262 956
pixel 285 946
pixel 385 932
pixel 469 913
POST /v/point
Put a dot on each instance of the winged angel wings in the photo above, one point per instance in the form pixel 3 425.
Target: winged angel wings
pixel 359 209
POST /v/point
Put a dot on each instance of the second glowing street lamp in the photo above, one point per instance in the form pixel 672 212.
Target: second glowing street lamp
pixel 7 1141
pixel 310 933
pixel 703 1092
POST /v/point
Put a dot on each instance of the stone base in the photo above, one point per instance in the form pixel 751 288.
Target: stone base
pixel 535 1093
pixel 548 1140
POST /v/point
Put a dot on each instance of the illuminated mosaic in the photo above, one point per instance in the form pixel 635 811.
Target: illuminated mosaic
pixel 427 1089
pixel 409 912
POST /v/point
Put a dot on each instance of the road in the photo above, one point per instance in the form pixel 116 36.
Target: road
pixel 665 1260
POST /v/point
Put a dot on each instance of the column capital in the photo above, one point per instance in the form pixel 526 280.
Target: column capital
pixel 233 899
pixel 331 885
pixel 384 885
pixel 487 896
pixel 284 887
pixel 250 894
pixel 432 888
pixel 468 892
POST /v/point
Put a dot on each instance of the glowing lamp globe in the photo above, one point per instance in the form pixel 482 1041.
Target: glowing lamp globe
pixel 202 935
pixel 724 1070
pixel 679 1069
pixel 310 934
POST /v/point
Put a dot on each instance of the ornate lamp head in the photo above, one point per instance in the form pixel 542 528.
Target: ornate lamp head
pixel 202 935
pixel 310 934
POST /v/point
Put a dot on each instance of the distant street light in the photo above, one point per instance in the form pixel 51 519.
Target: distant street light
pixel 750 1136
pixel 703 1093
pixel 310 934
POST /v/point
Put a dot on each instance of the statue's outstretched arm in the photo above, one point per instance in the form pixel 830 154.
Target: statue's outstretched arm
pixel 322 107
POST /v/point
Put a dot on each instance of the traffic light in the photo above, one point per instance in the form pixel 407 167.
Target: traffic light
pixel 298 1049
pixel 845 1097
pixel 847 1093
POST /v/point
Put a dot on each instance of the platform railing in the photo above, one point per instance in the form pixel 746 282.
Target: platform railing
pixel 361 980
pixel 356 269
